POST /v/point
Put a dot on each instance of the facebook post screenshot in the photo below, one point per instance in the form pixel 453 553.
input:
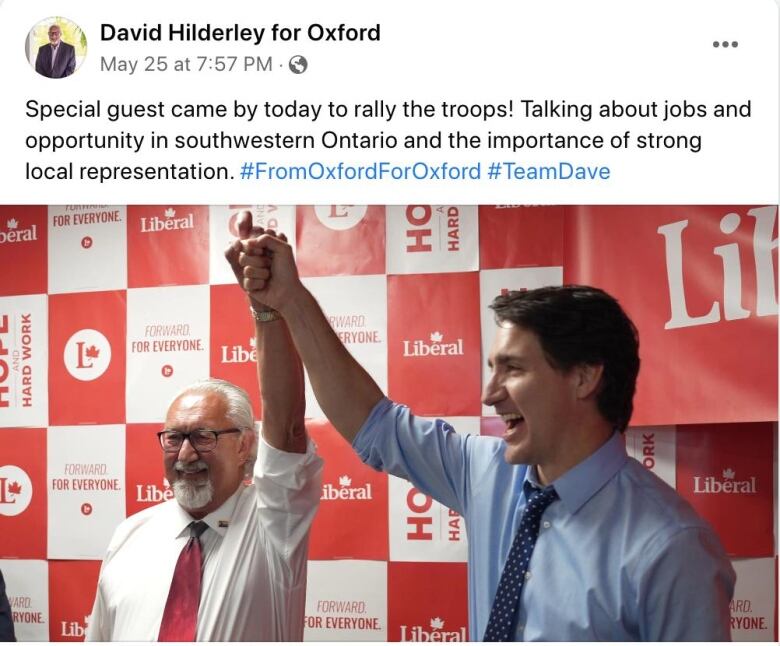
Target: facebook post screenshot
pixel 349 321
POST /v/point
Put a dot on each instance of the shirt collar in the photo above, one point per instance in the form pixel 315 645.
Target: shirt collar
pixel 218 520
pixel 532 477
pixel 580 483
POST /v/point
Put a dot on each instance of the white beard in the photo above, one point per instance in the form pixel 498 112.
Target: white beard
pixel 192 495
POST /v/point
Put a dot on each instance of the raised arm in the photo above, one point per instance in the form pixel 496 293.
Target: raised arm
pixel 279 368
pixel 344 390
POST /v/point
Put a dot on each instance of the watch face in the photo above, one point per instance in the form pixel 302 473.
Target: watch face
pixel 265 315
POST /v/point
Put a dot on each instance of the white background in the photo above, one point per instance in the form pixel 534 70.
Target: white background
pixel 148 391
pixel 556 49
pixel 73 534
pixel 100 267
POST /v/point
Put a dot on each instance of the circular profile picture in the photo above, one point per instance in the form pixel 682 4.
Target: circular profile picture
pixel 56 47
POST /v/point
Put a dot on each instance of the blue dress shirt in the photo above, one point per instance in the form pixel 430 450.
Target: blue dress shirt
pixel 620 556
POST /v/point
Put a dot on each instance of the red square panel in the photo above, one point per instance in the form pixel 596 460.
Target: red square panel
pixel 167 245
pixel 23 250
pixel 145 480
pixel 72 587
pixel 87 358
pixel 232 347
pixel 336 240
pixel 23 496
pixel 520 236
pixel 352 520
pixel 725 472
pixel 427 602
pixel 700 284
pixel 434 342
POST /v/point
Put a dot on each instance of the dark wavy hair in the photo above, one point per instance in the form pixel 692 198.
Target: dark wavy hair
pixel 577 325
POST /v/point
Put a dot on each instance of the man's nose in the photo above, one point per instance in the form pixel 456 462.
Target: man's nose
pixel 494 391
pixel 187 452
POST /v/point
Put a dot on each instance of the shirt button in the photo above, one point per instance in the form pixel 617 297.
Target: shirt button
pixel 547 524
pixel 527 576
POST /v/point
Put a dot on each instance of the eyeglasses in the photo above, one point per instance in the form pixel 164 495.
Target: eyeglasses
pixel 202 440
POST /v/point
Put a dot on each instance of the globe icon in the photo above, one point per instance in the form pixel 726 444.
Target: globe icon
pixel 298 64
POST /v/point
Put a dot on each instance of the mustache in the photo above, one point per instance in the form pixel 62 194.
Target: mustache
pixel 190 467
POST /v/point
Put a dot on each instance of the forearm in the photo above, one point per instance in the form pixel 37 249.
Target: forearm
pixel 280 375
pixel 345 391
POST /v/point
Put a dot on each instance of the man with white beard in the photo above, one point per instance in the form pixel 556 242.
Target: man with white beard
pixel 225 560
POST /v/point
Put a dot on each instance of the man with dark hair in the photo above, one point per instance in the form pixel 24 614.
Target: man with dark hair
pixel 569 538
pixel 575 325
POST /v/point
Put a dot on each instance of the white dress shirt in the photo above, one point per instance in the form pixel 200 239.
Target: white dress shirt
pixel 254 559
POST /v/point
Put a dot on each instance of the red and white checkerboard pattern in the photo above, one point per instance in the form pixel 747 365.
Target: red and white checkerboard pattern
pixel 106 311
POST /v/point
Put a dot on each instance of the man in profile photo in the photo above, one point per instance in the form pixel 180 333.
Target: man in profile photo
pixel 57 59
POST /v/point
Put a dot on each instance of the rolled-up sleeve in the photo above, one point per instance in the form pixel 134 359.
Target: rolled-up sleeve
pixel 288 487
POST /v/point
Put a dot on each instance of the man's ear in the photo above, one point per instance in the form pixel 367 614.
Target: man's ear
pixel 588 378
pixel 246 444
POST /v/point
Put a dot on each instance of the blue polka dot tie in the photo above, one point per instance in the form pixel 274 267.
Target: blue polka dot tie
pixel 502 620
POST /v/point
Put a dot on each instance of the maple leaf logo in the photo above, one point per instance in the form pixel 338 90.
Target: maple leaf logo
pixel 12 223
pixel 437 623
pixel 169 213
pixel 345 481
pixel 728 474
pixel 14 488
pixel 252 342
pixel 92 352
pixel 436 337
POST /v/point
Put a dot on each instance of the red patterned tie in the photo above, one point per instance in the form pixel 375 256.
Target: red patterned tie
pixel 180 618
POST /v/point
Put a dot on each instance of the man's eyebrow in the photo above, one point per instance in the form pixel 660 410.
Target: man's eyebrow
pixel 504 358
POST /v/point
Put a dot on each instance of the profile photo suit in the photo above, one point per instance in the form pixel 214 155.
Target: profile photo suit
pixel 64 62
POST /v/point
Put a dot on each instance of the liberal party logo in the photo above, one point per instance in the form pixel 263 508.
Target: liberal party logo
pixel 435 634
pixel 340 217
pixel 15 490
pixel 74 628
pixel 153 493
pixel 87 354
pixel 14 234
pixel 437 347
pixel 727 484
pixel 730 307
pixel 345 490
pixel 240 354
pixel 167 223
